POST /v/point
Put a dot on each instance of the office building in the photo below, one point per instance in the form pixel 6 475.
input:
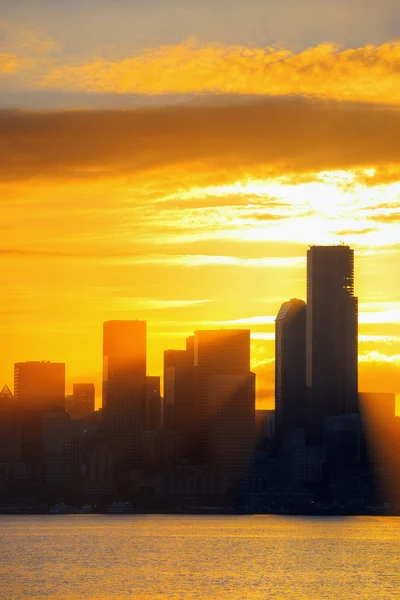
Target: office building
pixel 224 350
pixel 331 333
pixel 265 423
pixel 178 388
pixel 62 447
pixel 290 367
pixel 231 421
pixel 39 385
pixel 124 390
pixel 223 407
pixel 80 404
pixel 153 412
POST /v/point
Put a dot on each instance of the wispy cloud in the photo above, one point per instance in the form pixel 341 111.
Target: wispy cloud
pixel 387 339
pixel 381 313
pixel 258 320
pixel 379 357
pixel 132 304
pixel 25 50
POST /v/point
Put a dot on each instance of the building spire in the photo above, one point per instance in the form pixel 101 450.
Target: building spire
pixel 6 393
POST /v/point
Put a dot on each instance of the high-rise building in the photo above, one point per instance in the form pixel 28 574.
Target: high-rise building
pixel 62 447
pixel 290 367
pixel 80 403
pixel 223 406
pixel 231 421
pixel 124 390
pixel 178 388
pixel 39 385
pixel 332 332
pixel 224 349
pixel 153 413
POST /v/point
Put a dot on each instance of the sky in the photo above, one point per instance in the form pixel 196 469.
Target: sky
pixel 173 160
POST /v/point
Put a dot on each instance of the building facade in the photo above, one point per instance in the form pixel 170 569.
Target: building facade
pixel 80 404
pixel 124 391
pixel 223 410
pixel 331 333
pixel 39 385
pixel 290 367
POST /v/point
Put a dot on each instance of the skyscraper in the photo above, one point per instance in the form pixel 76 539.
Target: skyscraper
pixel 224 349
pixel 39 385
pixel 332 332
pixel 81 403
pixel 290 366
pixel 153 414
pixel 124 390
pixel 223 409
pixel 178 390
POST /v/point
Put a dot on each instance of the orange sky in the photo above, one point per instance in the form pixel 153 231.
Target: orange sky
pixel 190 202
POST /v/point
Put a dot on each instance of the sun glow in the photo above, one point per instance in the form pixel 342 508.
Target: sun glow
pixel 325 207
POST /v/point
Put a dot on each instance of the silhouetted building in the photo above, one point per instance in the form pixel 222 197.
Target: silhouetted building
pixel 7 403
pixel 99 470
pixel 10 440
pixel 265 421
pixel 332 333
pixel 80 404
pixel 124 390
pixel 378 411
pixel 62 447
pixel 225 349
pixel 153 414
pixel 223 407
pixel 39 385
pixel 231 421
pixel 290 367
pixel 179 417
pixel 178 391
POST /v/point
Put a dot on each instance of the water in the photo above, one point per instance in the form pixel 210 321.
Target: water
pixel 94 557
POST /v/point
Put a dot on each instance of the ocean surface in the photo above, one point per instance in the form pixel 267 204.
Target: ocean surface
pixel 97 557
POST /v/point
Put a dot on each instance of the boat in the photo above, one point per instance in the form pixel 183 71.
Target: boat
pixel 120 507
pixel 63 509
pixel 85 510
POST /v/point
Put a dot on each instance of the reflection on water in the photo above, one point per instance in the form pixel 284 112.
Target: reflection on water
pixel 185 558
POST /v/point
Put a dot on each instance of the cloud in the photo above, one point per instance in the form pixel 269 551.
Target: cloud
pixel 252 138
pixel 367 74
pixel 25 49
pixel 259 320
pixel 379 357
pixel 363 338
pixel 155 303
pixel 197 260
pixel 185 260
pixel 346 232
pixel 384 312
pixel 12 63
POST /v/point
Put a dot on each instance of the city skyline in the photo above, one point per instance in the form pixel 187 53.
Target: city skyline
pixel 200 298
pixel 326 441
pixel 170 163
pixel 346 279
